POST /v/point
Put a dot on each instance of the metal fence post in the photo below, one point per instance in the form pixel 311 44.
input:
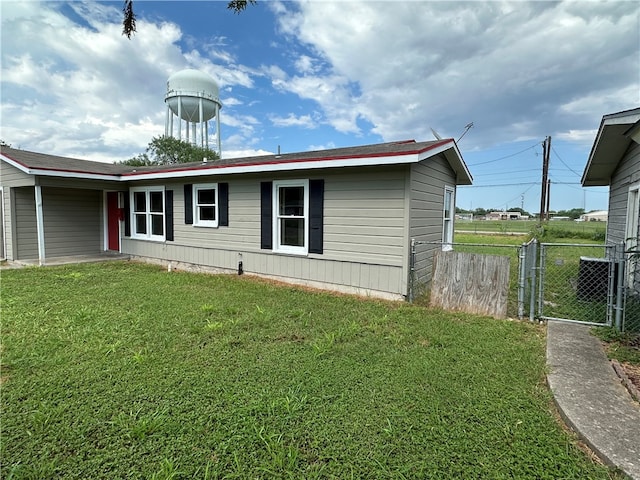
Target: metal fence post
pixel 534 269
pixel 620 289
pixel 541 284
pixel 522 274
pixel 412 269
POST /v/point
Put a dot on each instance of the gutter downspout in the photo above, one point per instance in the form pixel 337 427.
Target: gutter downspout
pixel 40 225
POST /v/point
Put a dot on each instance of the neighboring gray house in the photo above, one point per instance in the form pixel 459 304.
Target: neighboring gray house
pixel 339 219
pixel 615 162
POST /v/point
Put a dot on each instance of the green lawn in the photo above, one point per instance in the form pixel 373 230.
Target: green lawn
pixel 127 371
pixel 585 229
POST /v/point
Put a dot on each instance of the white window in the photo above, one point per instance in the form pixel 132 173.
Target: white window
pixel 447 218
pixel 291 216
pixel 147 213
pixel 632 233
pixel 205 205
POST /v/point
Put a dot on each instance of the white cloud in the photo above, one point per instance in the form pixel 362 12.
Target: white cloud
pixel 516 69
pixel 303 121
pixel 90 92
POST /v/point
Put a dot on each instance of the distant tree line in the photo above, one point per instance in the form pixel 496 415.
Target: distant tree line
pixel 481 212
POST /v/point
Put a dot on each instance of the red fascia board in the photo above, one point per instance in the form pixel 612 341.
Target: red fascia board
pixel 213 166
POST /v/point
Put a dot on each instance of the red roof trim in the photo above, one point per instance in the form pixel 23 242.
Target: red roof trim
pixel 213 166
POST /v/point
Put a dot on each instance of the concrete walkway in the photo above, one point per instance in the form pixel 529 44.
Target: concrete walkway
pixel 100 257
pixel 591 398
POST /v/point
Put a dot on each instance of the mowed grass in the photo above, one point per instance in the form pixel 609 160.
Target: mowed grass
pixel 528 226
pixel 123 370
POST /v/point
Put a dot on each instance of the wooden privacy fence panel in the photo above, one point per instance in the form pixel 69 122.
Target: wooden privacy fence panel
pixel 471 282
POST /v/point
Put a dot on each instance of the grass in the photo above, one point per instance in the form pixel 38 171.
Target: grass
pixel 621 346
pixel 123 370
pixel 555 228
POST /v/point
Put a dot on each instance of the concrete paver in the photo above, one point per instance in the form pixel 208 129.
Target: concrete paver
pixel 591 398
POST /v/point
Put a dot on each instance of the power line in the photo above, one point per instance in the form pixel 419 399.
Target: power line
pixel 563 162
pixel 506 156
pixel 500 185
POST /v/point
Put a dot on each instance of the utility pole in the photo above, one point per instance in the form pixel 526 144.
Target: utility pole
pixel 546 148
pixel 548 198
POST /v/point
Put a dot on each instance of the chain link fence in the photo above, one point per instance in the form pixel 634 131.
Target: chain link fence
pixel 577 282
pixel 586 283
pixel 631 314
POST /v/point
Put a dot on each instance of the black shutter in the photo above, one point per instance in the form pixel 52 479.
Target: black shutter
pixel 168 215
pixel 266 212
pixel 316 208
pixel 127 214
pixel 223 204
pixel 188 204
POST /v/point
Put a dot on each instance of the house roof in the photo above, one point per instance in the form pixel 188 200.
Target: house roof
pixel 389 153
pixel 616 132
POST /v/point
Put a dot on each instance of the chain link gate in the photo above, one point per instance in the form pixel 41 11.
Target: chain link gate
pixel 583 283
pixel 577 283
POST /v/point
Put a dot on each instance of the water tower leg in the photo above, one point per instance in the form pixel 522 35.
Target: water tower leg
pixel 166 122
pixel 179 118
pixel 218 130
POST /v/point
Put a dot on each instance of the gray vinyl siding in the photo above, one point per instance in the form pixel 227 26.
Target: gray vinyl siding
pixel 364 233
pixel 10 176
pixel 428 181
pixel 72 221
pixel 24 221
pixel 627 174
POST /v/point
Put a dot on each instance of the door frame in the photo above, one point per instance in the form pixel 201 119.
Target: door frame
pixel 107 216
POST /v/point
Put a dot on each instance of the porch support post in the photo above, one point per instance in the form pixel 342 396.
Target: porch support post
pixel 40 225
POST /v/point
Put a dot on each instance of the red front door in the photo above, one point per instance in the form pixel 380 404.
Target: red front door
pixel 113 222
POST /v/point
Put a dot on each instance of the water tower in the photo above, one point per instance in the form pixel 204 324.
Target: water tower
pixel 192 97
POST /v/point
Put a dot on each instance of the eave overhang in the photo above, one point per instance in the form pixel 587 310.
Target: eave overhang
pixel 612 141
pixel 271 163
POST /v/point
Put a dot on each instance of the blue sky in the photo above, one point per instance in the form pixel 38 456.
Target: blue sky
pixel 320 74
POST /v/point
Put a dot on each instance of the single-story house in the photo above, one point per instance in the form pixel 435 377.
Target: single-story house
pixel 614 161
pixel 506 216
pixel 341 219
pixel 594 216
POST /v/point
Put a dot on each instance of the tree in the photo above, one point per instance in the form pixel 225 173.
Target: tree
pixel 169 151
pixel 129 21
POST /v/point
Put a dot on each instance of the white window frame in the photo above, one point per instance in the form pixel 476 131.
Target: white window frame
pixel 631 230
pixel 148 214
pixel 277 245
pixel 447 222
pixel 196 211
pixel 633 214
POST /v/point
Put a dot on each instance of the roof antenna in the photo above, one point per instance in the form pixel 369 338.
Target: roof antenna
pixel 467 127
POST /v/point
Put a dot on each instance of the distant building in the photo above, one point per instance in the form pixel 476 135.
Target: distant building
pixel 595 216
pixel 506 216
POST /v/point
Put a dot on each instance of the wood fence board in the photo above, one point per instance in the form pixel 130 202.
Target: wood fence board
pixel 471 282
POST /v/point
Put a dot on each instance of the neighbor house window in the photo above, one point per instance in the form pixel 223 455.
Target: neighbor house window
pixel 447 218
pixel 148 213
pixel 291 216
pixel 205 205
